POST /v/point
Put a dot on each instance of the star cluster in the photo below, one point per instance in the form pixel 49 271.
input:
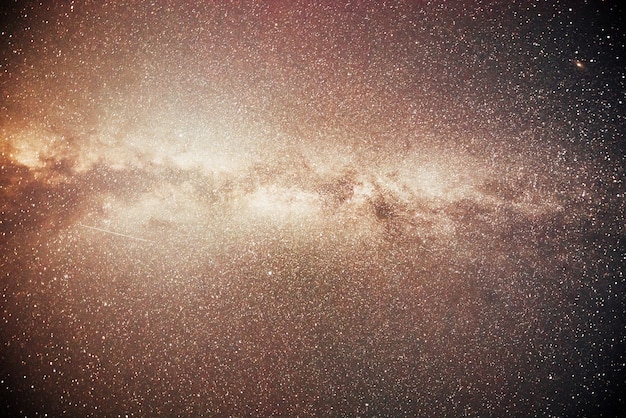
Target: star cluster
pixel 312 208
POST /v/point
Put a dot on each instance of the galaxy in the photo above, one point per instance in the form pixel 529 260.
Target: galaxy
pixel 312 208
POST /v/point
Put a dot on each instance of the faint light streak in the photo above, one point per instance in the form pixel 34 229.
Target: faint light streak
pixel 106 231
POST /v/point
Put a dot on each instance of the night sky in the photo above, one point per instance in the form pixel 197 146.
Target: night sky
pixel 398 209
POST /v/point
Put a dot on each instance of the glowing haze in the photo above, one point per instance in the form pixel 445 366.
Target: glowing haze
pixel 311 209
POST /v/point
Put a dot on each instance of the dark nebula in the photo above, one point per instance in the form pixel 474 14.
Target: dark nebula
pixel 400 208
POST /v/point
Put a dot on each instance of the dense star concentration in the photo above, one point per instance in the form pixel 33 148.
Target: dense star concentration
pixel 400 208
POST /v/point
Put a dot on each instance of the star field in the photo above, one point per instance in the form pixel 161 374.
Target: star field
pixel 312 208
